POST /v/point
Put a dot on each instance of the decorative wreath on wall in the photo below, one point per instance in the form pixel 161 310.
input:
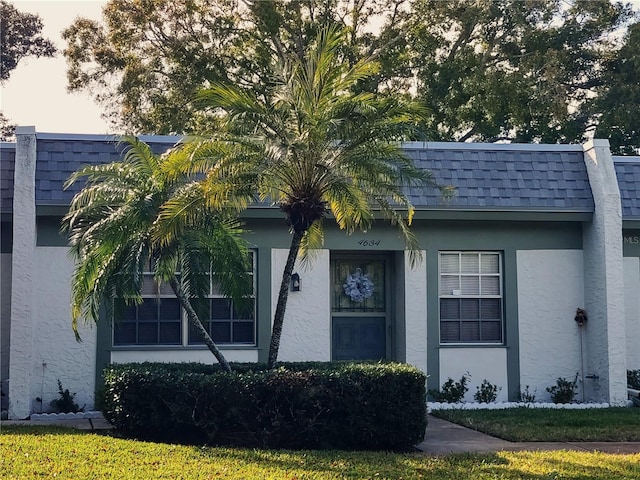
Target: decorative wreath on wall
pixel 358 286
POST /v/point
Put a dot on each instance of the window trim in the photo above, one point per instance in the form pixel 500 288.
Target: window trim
pixel 165 293
pixel 480 296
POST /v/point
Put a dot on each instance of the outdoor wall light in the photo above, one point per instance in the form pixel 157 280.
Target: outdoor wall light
pixel 295 282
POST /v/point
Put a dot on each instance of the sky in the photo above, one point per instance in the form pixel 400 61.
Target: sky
pixel 36 93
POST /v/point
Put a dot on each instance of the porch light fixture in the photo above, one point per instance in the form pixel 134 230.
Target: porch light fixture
pixel 295 282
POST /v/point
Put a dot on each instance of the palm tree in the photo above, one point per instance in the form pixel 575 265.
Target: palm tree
pixel 112 224
pixel 313 147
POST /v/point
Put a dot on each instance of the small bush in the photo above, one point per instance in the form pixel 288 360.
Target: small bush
pixel 526 395
pixel 486 392
pixel 633 379
pixel 564 391
pixel 451 391
pixel 66 403
pixel 340 405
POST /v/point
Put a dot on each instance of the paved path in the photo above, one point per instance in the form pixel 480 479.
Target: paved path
pixel 441 438
pixel 444 437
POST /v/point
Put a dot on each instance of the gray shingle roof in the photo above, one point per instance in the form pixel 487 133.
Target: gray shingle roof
pixel 57 159
pixel 7 162
pixel 509 177
pixel 628 173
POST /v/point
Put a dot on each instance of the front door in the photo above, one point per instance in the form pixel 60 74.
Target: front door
pixel 359 308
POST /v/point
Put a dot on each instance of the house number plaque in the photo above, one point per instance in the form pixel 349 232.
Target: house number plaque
pixel 369 243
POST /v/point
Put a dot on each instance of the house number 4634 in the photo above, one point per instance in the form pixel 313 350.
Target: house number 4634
pixel 369 243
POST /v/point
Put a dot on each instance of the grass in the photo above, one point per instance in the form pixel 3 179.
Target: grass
pixel 57 452
pixel 551 425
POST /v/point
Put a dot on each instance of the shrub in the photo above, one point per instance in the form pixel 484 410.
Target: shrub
pixel 564 391
pixel 526 395
pixel 486 392
pixel 66 403
pixel 633 379
pixel 301 405
pixel 451 391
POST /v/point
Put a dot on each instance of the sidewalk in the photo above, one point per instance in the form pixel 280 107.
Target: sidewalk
pixel 444 438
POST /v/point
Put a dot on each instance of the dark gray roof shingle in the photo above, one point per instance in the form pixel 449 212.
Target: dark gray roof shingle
pixel 7 162
pixel 500 177
pixel 628 173
pixel 57 159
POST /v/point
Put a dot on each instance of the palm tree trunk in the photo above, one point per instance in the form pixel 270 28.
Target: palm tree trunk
pixel 281 306
pixel 194 319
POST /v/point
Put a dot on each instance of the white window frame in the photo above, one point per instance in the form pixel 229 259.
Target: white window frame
pixel 461 295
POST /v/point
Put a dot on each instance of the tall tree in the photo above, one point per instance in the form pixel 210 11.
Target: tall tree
pixel 313 147
pixel 147 59
pixel 617 105
pixel 511 69
pixel 113 223
pixel 19 38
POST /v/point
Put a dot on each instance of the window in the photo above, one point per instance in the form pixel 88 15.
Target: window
pixel 160 320
pixel 470 297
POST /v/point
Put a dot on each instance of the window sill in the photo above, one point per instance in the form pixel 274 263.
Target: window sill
pixel 472 345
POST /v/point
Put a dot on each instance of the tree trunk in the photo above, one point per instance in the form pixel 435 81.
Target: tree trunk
pixel 194 319
pixel 281 306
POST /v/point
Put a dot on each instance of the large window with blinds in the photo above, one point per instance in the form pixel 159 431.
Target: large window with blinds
pixel 471 297
pixel 160 320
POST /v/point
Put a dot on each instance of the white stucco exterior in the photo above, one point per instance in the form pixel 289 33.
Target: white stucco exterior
pixel 604 281
pixel 483 363
pixel 178 355
pixel 56 354
pixel 22 274
pixel 632 310
pixel 306 332
pixel 415 309
pixel 550 289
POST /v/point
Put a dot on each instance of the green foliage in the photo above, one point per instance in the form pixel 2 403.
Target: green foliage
pixel 66 403
pixel 117 232
pixel 551 424
pixel 20 38
pixel 633 379
pixel 451 391
pixel 486 392
pixel 54 452
pixel 343 405
pixel 526 395
pixel 564 391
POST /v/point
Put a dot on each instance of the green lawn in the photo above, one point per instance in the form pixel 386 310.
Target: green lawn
pixel 55 452
pixel 551 425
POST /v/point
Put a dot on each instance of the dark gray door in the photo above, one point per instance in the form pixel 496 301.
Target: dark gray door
pixel 359 308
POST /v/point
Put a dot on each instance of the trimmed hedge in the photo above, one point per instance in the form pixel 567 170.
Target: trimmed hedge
pixel 347 406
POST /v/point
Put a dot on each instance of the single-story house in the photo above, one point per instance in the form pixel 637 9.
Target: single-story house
pixel 533 233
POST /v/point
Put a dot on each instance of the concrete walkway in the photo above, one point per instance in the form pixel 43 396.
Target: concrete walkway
pixel 444 438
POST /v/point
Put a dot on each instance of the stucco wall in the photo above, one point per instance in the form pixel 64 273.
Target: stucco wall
pixel 550 288
pixel 56 354
pixel 306 333
pixel 632 310
pixel 182 355
pixel 415 309
pixel 482 363
pixel 5 323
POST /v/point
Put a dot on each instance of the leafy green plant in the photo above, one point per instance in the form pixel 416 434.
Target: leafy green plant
pixel 66 403
pixel 486 392
pixel 451 391
pixel 633 379
pixel 564 391
pixel 526 395
pixel 336 405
